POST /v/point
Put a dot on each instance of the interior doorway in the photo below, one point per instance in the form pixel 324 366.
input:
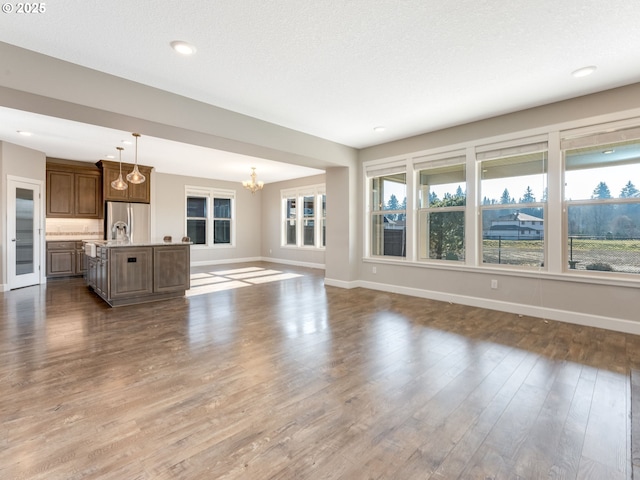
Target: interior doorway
pixel 24 232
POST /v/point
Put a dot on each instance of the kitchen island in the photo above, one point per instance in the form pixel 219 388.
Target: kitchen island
pixel 123 273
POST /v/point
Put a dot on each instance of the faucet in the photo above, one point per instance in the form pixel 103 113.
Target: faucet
pixel 119 231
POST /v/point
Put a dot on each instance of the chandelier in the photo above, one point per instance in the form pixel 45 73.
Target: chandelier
pixel 135 176
pixel 252 185
pixel 119 183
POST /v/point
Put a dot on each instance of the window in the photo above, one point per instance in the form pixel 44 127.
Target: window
pixel 221 220
pixel 290 217
pixel 388 212
pixel 304 227
pixel 210 216
pixel 513 188
pixel 603 204
pixel 442 199
pixel 197 219
pixel 323 220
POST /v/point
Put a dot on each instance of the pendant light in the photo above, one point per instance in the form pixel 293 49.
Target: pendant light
pixel 135 176
pixel 119 183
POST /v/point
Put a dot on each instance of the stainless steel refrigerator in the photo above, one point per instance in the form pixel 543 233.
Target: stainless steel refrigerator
pixel 127 222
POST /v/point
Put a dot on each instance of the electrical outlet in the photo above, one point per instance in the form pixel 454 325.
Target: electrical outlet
pixel 374 270
pixel 494 284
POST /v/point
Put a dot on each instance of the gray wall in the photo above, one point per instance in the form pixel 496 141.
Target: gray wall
pixel 271 226
pixel 168 212
pixel 26 163
pixel 599 302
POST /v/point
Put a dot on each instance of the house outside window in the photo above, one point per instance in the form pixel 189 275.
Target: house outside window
pixel 304 227
pixel 210 219
pixel 442 204
pixel 513 189
pixel 602 202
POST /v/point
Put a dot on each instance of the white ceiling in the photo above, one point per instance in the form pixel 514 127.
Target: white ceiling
pixel 338 68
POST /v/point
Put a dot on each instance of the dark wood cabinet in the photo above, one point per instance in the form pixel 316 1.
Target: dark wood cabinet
pixel 140 193
pixel 65 259
pixel 126 275
pixel 74 189
pixel 131 272
pixel 171 269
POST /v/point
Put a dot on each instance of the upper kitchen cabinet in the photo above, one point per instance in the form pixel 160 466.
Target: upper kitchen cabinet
pixel 74 189
pixel 140 193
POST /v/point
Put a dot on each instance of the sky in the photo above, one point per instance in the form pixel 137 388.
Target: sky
pixel 579 184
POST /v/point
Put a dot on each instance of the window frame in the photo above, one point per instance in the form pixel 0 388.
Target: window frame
pixel 377 172
pixel 298 194
pixel 599 141
pixel 449 160
pixel 211 194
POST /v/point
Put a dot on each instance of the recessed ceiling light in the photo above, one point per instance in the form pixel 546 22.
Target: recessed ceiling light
pixel 111 156
pixel 584 71
pixel 127 142
pixel 183 48
pixel 379 128
pixel 25 134
pixel 608 152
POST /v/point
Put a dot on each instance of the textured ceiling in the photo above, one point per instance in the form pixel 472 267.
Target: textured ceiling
pixel 338 68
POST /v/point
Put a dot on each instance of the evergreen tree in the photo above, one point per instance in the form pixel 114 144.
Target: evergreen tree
pixel 505 198
pixel 446 229
pixel 601 191
pixel 433 198
pixel 393 204
pixel 460 193
pixel 629 191
pixel 528 196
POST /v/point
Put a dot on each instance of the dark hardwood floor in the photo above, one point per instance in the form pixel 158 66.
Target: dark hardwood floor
pixel 262 372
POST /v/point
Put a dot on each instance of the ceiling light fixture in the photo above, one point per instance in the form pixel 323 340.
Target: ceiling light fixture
pixel 135 176
pixel 584 71
pixel 183 48
pixel 251 184
pixel 119 183
pixel 608 152
pixel 379 128
pixel 24 134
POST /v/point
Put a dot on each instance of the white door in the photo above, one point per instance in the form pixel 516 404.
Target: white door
pixel 23 232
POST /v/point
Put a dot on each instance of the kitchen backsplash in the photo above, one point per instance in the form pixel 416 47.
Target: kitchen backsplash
pixel 74 229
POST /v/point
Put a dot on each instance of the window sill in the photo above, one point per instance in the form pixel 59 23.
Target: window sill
pixel 511 271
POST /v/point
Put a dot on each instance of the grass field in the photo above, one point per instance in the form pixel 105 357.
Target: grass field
pixel 620 255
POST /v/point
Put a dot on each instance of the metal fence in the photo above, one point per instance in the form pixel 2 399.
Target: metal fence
pixel 605 253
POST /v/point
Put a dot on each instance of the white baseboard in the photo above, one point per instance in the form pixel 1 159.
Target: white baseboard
pixel 223 261
pixel 4 287
pixel 295 263
pixel 340 283
pixel 609 323
pixel 204 263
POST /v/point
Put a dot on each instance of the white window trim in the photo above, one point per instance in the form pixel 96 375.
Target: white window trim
pixel 315 191
pixel 210 193
pixel 555 206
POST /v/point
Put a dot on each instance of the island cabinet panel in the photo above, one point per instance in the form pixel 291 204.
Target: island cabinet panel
pixel 131 271
pixel 130 274
pixel 171 269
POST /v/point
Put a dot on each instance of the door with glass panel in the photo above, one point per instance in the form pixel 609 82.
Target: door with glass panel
pixel 23 232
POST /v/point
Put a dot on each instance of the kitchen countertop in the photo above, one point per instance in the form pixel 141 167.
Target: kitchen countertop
pixel 117 243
